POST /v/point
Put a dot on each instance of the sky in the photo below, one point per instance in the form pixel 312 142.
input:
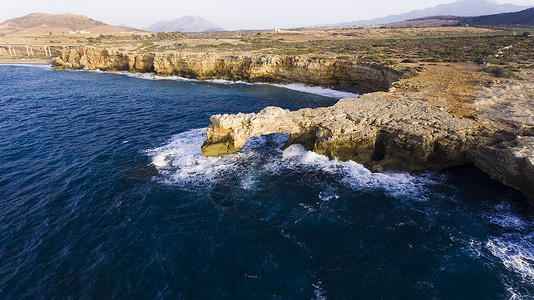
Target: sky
pixel 229 14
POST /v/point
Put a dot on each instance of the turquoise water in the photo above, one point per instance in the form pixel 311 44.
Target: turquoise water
pixel 104 194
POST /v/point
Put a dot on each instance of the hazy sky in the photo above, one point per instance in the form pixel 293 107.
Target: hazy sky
pixel 229 14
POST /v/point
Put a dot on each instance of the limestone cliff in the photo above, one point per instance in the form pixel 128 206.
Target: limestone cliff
pixel 379 132
pixel 409 131
pixel 268 68
pixel 442 118
pixel 511 162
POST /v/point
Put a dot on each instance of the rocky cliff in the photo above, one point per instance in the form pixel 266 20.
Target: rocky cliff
pixel 401 130
pixel 377 131
pixel 442 118
pixel 267 68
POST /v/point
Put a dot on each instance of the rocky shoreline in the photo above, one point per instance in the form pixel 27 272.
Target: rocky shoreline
pixel 403 131
pixel 363 77
pixel 450 115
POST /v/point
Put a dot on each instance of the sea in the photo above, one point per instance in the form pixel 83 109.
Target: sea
pixel 104 194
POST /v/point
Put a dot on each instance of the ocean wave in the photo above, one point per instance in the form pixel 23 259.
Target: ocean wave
pixel 516 253
pixel 39 66
pixel 316 90
pixel 358 177
pixel 503 216
pixel 181 161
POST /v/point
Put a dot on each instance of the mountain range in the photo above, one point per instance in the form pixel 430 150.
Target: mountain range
pixel 185 24
pixel 460 8
pixel 40 23
pixel 524 18
pixel 473 12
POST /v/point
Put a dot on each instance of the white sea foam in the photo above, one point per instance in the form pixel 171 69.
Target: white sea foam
pixel 316 90
pixel 318 291
pixel 516 253
pixel 40 66
pixel 357 176
pixel 181 161
pixel 505 217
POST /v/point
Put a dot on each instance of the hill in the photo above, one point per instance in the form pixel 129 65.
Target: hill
pixel 524 18
pixel 185 24
pixel 40 23
pixel 458 8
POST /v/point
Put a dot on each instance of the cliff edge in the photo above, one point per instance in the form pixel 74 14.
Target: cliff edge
pixel 358 76
pixel 432 125
pixel 451 114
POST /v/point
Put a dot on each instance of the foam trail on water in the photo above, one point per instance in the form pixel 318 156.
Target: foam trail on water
pixel 182 161
pixel 516 253
pixel 316 90
pixel 40 66
pixel 181 158
pixel 356 175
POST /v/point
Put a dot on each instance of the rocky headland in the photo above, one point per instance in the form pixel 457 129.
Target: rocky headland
pixel 400 130
pixel 449 115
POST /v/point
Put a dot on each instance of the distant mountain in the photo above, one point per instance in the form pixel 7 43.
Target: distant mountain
pixel 185 24
pixel 39 23
pixel 523 18
pixel 458 8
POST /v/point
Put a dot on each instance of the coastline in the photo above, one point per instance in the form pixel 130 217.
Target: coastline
pixel 445 115
pixel 27 61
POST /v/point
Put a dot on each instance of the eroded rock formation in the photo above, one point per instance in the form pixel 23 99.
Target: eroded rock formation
pixel 442 118
pixel 266 68
pixel 404 131
pixel 512 163
pixel 375 130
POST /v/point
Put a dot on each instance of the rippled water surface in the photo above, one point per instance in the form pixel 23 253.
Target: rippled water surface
pixel 104 194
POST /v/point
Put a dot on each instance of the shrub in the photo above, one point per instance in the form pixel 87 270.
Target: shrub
pixel 372 58
pixel 410 73
pixel 499 71
pixel 410 61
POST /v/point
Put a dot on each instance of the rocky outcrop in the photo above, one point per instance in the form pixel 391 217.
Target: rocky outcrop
pixel 404 131
pixel 266 68
pixel 377 131
pixel 509 108
pixel 103 59
pixel 428 124
pixel 512 163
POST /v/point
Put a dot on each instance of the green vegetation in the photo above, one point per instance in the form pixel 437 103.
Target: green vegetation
pixel 499 72
pixel 92 40
pixel 147 44
pixel 173 35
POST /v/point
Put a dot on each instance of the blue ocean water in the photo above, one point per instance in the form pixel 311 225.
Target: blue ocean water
pixel 104 194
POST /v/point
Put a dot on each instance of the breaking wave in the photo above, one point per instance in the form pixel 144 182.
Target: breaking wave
pixel 316 90
pixel 181 161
